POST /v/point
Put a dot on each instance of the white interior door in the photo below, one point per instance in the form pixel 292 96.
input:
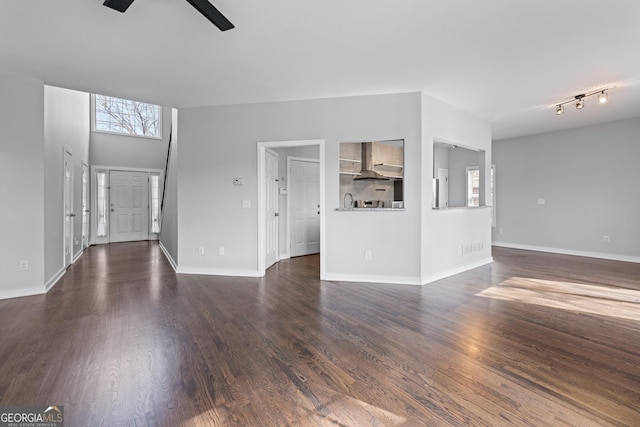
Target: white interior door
pixel 443 188
pixel 85 205
pixel 129 206
pixel 304 191
pixel 271 208
pixel 68 208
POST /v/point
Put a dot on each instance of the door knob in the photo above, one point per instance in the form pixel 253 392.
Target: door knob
pixel 112 210
pixel 72 214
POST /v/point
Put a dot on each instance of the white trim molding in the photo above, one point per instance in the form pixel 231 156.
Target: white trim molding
pixel 613 257
pixel 168 256
pixel 54 280
pixel 19 293
pixel 218 272
pixel 457 270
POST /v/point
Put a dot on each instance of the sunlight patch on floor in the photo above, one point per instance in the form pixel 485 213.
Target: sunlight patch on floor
pixel 336 409
pixel 592 299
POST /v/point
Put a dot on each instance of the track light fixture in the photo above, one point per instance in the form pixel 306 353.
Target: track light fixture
pixel 603 96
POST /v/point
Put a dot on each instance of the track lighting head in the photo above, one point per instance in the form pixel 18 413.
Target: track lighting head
pixel 603 96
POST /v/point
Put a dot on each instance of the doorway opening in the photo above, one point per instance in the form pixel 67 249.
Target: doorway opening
pixel 303 199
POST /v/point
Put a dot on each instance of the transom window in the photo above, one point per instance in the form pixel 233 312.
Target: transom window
pixel 124 116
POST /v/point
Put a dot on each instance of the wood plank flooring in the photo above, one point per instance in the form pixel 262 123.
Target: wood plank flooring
pixel 532 340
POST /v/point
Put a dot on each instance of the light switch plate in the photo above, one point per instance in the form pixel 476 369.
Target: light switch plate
pixel 246 204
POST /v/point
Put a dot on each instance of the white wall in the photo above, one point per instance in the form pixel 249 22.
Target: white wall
pixel 410 246
pixel 219 143
pixel 452 239
pixel 66 125
pixel 589 178
pixel 169 228
pixel 21 186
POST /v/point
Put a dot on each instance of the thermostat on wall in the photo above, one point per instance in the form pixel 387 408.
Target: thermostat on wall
pixel 238 181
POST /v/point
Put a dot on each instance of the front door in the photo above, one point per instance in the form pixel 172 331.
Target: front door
pixel 129 206
pixel 305 207
pixel 271 209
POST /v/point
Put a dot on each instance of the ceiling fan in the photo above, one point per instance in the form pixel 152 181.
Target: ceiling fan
pixel 203 6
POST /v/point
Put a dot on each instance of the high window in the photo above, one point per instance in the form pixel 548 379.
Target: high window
pixel 124 116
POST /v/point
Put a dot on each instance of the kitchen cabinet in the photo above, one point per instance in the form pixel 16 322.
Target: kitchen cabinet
pixel 388 160
pixel 350 158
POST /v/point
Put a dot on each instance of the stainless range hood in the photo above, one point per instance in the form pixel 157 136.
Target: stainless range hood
pixel 367 172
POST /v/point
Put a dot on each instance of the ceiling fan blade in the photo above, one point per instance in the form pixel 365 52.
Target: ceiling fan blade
pixel 212 14
pixel 119 5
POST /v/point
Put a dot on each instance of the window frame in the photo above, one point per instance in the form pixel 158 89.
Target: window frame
pixel 469 192
pixel 108 132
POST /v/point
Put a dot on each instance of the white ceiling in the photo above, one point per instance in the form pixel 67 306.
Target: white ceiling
pixel 506 61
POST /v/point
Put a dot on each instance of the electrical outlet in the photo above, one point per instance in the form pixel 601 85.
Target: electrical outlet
pixel 541 201
pixel 24 265
pixel 500 230
pixel 606 239
pixel 221 250
pixel 246 204
pixel 367 255
pixel 201 250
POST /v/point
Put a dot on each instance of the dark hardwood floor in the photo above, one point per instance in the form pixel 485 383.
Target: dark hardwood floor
pixel 532 340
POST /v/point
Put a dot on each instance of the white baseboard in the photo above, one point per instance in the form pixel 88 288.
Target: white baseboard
pixel 457 270
pixel 403 280
pixel 77 256
pixel 18 293
pixel 217 272
pixel 612 257
pixel 168 257
pixel 365 278
pixel 52 282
